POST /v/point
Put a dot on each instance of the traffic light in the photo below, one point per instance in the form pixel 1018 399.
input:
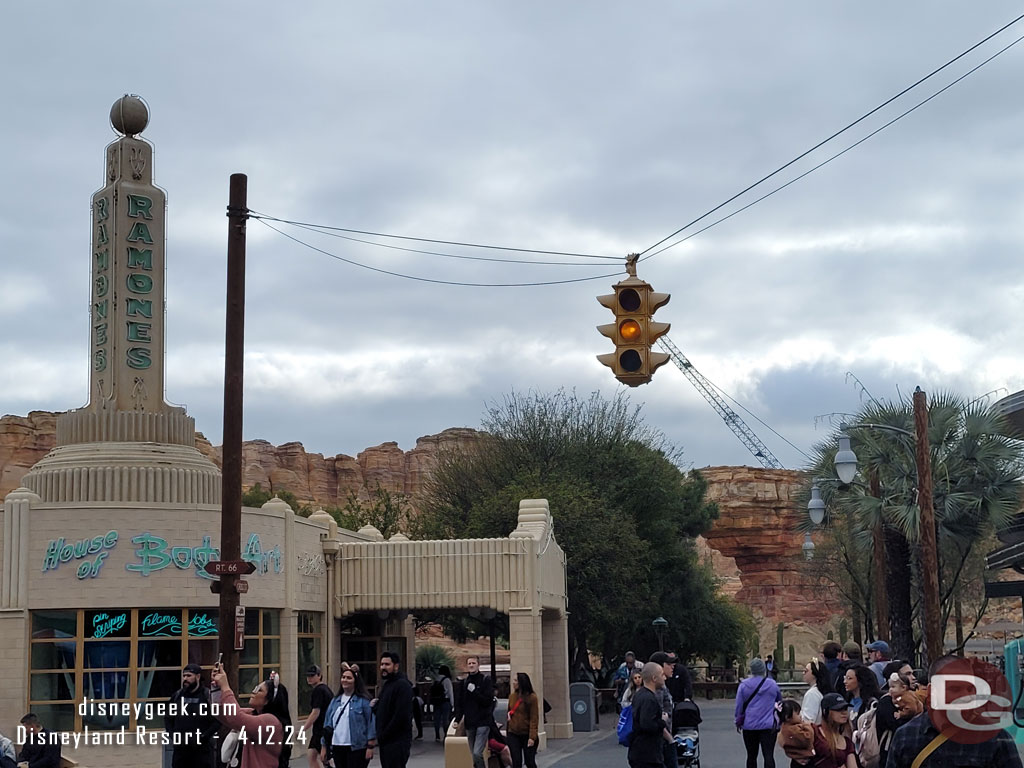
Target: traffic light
pixel 634 302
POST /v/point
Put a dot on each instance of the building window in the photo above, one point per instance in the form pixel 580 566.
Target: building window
pixel 310 643
pixel 262 652
pixel 132 655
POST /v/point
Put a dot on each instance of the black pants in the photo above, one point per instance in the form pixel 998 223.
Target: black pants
pixel 346 757
pixel 763 739
pixel 394 755
pixel 517 746
pixel 670 755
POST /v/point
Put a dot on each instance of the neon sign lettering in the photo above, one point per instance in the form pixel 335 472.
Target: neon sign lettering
pixel 157 624
pixel 104 624
pixel 61 551
pixel 201 624
pixel 154 554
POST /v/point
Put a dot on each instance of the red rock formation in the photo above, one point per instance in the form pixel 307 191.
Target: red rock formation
pixel 757 527
pixel 311 477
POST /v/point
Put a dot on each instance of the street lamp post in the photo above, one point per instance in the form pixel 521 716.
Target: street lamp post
pixel 846 469
pixel 660 624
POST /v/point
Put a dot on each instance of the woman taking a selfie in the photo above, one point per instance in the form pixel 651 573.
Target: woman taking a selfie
pixel 263 723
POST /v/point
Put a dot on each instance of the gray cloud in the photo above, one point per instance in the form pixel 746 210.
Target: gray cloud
pixel 583 128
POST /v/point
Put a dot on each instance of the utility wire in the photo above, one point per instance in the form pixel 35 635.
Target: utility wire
pixel 834 135
pixel 320 231
pixel 758 419
pixel 440 242
pixel 833 157
pixel 429 279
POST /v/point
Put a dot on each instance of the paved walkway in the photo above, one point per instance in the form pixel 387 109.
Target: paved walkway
pixel 721 746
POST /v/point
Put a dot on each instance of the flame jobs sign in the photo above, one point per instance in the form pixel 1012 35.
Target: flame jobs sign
pixel 153 553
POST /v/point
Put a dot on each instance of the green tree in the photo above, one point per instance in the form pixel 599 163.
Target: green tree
pixel 429 659
pixel 976 471
pixel 624 512
pixel 388 512
pixel 257 497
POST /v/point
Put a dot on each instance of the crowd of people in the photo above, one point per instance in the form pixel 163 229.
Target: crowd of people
pixel 856 713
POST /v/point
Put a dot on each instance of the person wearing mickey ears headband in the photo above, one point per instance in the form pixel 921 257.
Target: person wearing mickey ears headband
pixel 350 732
pixel 265 723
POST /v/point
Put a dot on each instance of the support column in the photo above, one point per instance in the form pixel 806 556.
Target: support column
pixel 555 652
pixel 14 567
pixel 526 655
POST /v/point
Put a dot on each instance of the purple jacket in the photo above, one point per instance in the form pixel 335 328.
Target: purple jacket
pixel 760 714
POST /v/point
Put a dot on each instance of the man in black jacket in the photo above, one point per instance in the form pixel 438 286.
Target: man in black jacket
pixel 650 731
pixel 42 748
pixel 189 717
pixel 477 708
pixel 393 710
pixel 680 684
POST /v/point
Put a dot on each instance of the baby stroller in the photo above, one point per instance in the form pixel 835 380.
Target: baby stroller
pixel 685 729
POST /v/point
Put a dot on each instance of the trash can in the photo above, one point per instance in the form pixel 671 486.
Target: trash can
pixel 584 713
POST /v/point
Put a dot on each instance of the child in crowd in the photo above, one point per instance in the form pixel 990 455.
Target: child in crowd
pixel 796 735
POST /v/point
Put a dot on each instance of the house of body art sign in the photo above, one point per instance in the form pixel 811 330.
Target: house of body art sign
pixel 152 553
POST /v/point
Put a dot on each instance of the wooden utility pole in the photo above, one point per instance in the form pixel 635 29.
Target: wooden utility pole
pixel 932 607
pixel 231 468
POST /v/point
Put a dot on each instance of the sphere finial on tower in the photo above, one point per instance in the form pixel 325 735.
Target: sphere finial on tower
pixel 129 115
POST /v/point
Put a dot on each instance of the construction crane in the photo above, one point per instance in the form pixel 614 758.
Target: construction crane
pixel 729 416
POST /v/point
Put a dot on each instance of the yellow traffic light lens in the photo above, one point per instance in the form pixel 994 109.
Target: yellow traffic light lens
pixel 630 330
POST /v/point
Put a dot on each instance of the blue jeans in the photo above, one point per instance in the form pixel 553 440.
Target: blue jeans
pixel 477 743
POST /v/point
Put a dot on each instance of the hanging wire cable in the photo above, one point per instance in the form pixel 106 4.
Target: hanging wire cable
pixel 258 215
pixel 837 155
pixel 430 279
pixel 758 419
pixel 320 231
pixel 834 135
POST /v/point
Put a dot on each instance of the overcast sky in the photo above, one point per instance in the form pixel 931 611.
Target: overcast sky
pixel 596 127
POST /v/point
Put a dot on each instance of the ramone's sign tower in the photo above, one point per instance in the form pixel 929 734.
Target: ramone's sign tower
pixel 127 444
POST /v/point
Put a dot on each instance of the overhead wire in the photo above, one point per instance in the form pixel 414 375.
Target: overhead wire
pixel 354 263
pixel 758 419
pixel 833 157
pixel 320 230
pixel 439 242
pixel 833 136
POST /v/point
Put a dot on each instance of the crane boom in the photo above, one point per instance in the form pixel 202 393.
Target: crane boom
pixel 729 416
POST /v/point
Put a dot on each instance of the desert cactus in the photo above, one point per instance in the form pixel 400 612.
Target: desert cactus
pixel 792 657
pixel 844 632
pixel 830 636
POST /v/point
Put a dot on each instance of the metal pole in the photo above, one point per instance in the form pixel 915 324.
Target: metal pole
pixel 932 612
pixel 231 468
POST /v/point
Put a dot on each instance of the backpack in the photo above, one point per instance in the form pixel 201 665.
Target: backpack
pixel 437 691
pixel 865 738
pixel 624 729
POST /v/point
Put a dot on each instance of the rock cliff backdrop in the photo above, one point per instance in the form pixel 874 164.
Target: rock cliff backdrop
pixel 754 546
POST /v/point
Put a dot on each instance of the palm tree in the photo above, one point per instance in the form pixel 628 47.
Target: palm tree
pixel 976 472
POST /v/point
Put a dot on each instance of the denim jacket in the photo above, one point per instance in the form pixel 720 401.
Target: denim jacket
pixel 361 723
